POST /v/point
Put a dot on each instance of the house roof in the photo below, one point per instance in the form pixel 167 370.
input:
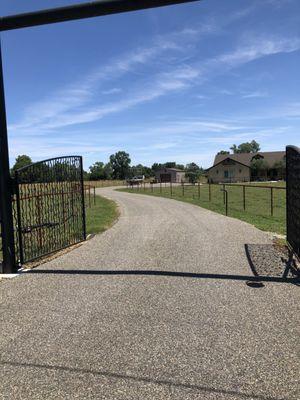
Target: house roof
pixel 271 157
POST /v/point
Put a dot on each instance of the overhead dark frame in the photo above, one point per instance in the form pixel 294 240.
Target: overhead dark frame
pixel 81 11
pixel 43 17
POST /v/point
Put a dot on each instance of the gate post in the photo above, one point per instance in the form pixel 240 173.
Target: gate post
pixel 7 228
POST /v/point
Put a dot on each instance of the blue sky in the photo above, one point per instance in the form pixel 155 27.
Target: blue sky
pixel 171 84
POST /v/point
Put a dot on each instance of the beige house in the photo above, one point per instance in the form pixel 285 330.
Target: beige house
pixel 173 175
pixel 237 167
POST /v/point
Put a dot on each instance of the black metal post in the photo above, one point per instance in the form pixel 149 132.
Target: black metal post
pixel 9 264
pixel 244 197
pixel 226 200
pixel 272 203
pixel 209 192
pixel 80 11
pixel 199 193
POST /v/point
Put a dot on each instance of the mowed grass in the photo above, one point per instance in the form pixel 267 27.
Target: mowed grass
pixel 101 215
pixel 258 202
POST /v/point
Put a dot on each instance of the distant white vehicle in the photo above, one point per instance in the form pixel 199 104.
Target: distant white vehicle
pixel 136 180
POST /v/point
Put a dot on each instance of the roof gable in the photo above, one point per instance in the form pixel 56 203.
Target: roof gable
pixel 271 157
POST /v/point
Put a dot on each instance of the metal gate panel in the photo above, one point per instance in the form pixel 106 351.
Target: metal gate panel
pixel 293 197
pixel 49 207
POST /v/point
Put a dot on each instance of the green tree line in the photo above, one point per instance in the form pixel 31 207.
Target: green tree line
pixel 119 167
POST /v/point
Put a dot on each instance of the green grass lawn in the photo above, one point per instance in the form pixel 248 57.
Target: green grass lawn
pixel 258 200
pixel 101 215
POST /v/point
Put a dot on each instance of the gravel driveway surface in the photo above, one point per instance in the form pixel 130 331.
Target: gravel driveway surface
pixel 157 307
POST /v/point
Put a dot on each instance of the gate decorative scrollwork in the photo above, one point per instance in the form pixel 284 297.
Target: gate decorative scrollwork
pixel 49 209
pixel 293 197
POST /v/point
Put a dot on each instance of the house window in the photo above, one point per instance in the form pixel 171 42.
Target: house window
pixel 240 171
pixel 226 174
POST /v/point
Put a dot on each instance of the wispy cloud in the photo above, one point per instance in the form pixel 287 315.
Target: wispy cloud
pixel 67 107
pixel 111 91
pixel 255 94
pixel 258 48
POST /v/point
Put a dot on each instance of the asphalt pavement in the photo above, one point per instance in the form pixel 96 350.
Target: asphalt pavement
pixel 157 307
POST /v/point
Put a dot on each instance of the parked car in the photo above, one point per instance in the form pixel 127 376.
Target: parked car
pixel 136 180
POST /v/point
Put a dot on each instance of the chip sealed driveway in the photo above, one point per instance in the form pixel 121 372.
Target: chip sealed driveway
pixel 157 307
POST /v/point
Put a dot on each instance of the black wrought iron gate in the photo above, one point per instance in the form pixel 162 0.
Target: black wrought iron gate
pixel 48 207
pixel 293 197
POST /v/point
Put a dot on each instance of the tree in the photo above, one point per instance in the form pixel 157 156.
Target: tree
pixel 108 171
pixel 86 175
pixel 170 164
pixel 120 163
pixel 259 167
pixel 247 147
pixel 21 161
pixel 97 171
pixel 140 170
pixel 224 152
pixel 192 167
pixel 193 172
pixel 280 167
pixel 156 167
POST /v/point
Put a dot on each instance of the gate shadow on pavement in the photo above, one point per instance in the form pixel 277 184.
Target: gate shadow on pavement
pixel 114 375
pixel 175 274
pixel 266 260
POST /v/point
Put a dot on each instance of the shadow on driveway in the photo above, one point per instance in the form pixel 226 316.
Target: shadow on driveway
pixel 165 273
pixel 138 379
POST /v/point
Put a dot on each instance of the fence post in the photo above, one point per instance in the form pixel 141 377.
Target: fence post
pixel 224 193
pixel 199 193
pixel 244 197
pixel 272 202
pixel 182 189
pixel 94 195
pixel 171 188
pixel 90 204
pixel 209 192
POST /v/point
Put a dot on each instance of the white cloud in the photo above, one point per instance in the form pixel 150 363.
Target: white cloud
pixel 111 91
pixel 259 48
pixel 67 109
pixel 255 94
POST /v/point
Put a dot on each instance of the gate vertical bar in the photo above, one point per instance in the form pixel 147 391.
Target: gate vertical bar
pixel 7 227
pixel 83 202
pixel 19 219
